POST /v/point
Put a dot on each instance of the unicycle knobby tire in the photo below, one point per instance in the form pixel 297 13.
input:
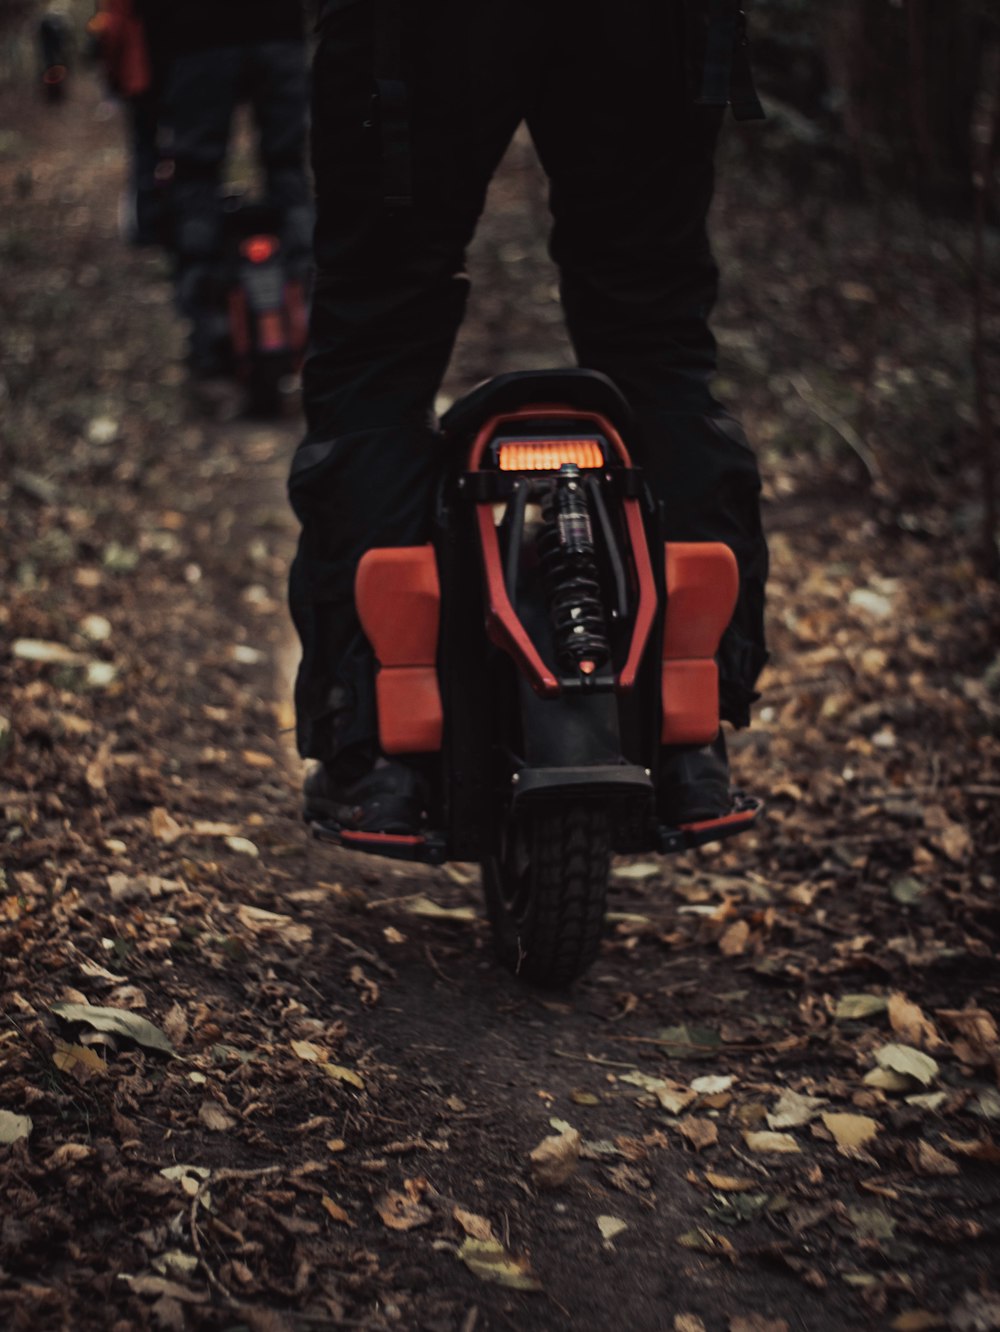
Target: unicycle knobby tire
pixel 546 890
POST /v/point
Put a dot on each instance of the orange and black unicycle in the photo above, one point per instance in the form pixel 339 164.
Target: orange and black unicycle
pixel 540 657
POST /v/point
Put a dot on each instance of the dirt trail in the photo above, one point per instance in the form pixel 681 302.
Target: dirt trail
pixel 353 1069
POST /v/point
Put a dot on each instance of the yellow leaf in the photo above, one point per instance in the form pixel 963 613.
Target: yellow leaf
pixel 851 1132
pixel 312 1054
pixel 476 1226
pixel 335 1144
pixel 77 1059
pixel 343 1075
pixel 335 1211
pixel 490 1261
pixel 764 1140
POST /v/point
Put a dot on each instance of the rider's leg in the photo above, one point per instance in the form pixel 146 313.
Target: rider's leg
pixel 390 292
pixel 277 83
pixel 632 180
pixel 202 93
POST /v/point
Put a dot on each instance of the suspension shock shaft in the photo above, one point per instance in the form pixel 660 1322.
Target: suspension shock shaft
pixel 569 571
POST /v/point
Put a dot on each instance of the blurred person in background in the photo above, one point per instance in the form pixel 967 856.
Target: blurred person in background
pixel 218 54
pixel 134 70
pixel 414 106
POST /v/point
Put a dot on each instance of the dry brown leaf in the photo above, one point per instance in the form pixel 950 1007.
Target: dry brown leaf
pixel 14 1127
pixel 77 1060
pixel 763 1140
pixel 729 1183
pixel 979 1039
pixel 700 1133
pixel 851 1132
pixel 402 1211
pixel 929 1161
pixel 917 1320
pixel 335 1144
pixel 164 826
pixel 335 1211
pixel 342 1074
pixel 312 1054
pixel 490 1261
pixel 757 1323
pixel 70 1153
pixel 910 1022
pixel 214 1117
pixel 978 1149
pixel 555 1159
pixel 688 1322
pixel 476 1226
pixel 733 940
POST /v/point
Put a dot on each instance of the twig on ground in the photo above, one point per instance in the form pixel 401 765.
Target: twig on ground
pixel 219 1177
pixel 838 423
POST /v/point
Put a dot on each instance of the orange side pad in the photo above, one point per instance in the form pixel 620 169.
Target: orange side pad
pixel 398 597
pixel 702 585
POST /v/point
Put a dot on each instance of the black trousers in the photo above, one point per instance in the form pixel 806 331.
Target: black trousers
pixel 606 94
pixel 204 88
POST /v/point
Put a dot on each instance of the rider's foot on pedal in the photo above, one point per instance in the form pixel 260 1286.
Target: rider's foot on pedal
pixel 390 798
pixel 694 785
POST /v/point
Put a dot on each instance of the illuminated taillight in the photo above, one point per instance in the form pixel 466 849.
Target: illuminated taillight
pixel 548 455
pixel 258 249
pixel 54 74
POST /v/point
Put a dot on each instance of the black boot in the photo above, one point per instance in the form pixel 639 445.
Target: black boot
pixel 694 785
pixel 390 798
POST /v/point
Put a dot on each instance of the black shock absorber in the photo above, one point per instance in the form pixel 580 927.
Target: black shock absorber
pixel 569 571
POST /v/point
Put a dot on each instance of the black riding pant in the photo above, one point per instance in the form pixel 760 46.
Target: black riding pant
pixel 605 92
pixel 204 87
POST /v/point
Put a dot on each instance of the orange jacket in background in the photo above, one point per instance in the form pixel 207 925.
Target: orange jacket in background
pixel 122 40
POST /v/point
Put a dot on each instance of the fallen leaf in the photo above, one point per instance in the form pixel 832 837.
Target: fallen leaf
pixel 671 1095
pixel 712 1084
pixel 476 1226
pixel 871 1222
pixel 909 1022
pixel 929 1161
pixel 851 1132
pixel 70 1153
pixel 729 1183
pixel 645 869
pixel 154 1285
pixel 793 1110
pixel 342 1074
pixel 419 905
pixel 978 1149
pixel 764 1141
pixel 402 1211
pixel 335 1144
pixel 164 827
pixel 78 1060
pixel 312 1054
pixel 733 940
pixel 688 1322
pixel 49 654
pixel 855 1007
pixel 214 1117
pixel 911 1063
pixel 117 1020
pixel 490 1261
pixel 14 1127
pixel 706 1241
pixel 979 1041
pixel 885 1080
pixel 242 846
pixel 610 1226
pixel 976 1312
pixel 335 1211
pixel 700 1133
pixel 684 1042
pixel 986 1103
pixel 555 1159
pixel 916 1320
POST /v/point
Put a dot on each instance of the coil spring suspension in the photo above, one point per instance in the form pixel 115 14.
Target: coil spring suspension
pixel 569 573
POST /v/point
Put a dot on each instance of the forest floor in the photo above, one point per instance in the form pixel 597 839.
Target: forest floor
pixel 783 1067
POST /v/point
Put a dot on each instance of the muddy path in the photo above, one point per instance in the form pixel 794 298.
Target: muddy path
pixel 783 1068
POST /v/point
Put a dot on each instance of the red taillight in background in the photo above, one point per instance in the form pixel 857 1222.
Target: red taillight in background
pixel 258 249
